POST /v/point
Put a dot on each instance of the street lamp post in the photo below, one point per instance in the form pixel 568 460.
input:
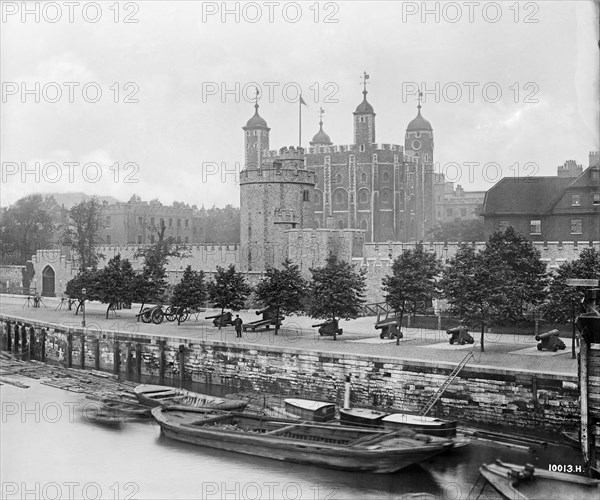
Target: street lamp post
pixel 83 290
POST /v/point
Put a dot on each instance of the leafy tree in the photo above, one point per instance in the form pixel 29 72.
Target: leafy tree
pixel 336 291
pixel 229 289
pixel 222 225
pixel 151 283
pixel 474 286
pixel 413 280
pixel 524 276
pixel 458 230
pixel 283 289
pixel 116 282
pixel 191 291
pixel 85 278
pixel 82 232
pixel 563 302
pixel 26 226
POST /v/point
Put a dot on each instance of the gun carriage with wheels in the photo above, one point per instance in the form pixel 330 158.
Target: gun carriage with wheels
pixel 153 314
pixel 225 319
pixel 329 327
pixel 550 340
pixel 180 314
pixel 460 335
pixel 269 317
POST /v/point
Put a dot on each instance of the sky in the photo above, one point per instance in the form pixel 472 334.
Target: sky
pixel 150 97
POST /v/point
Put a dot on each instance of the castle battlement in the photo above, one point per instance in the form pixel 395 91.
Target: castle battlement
pixel 291 153
pixel 271 173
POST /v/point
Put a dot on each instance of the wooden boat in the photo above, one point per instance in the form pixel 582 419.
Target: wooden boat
pixel 105 417
pixel 160 395
pixel 517 482
pixel 328 445
pixel 363 417
pixel 126 408
pixel 310 410
pixel 426 425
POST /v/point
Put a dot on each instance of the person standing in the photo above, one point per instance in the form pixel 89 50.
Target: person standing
pixel 237 323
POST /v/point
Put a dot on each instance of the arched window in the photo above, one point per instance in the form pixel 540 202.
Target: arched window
pixel 385 196
pixel 338 178
pixel 385 177
pixel 340 199
pixel 363 177
pixel 364 225
pixel 363 197
pixel 361 148
pixel 305 195
pixel 317 199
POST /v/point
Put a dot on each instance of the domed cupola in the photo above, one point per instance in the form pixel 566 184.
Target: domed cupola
pixel 321 138
pixel 256 133
pixel 364 107
pixel 418 140
pixel 257 121
pixel 418 122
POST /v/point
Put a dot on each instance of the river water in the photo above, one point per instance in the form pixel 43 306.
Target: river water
pixel 51 450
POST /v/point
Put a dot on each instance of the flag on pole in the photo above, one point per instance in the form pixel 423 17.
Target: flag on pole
pixel 302 101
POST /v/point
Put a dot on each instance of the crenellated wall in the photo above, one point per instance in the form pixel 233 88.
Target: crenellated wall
pixel 307 247
pixel 481 395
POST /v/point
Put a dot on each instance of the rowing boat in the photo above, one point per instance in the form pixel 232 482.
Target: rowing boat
pixel 322 444
pixel 517 482
pixel 160 395
pixel 426 425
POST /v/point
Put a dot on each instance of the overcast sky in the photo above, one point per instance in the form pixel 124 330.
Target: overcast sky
pixel 175 63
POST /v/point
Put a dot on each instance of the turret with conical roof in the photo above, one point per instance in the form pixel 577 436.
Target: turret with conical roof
pixel 364 120
pixel 256 138
pixel 321 138
pixel 418 140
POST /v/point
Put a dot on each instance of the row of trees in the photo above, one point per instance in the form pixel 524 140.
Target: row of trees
pixel 39 222
pixel 504 282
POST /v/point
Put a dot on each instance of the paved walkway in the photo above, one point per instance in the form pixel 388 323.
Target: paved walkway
pixel 360 337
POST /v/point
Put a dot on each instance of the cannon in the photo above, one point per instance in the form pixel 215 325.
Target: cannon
pixel 390 327
pixel 269 317
pixel 153 314
pixel 550 340
pixel 225 319
pixel 329 327
pixel 459 335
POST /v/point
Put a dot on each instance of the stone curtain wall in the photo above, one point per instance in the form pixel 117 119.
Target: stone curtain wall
pixel 308 248
pixel 481 395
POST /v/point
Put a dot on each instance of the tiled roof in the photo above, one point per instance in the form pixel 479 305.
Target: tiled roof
pixel 528 195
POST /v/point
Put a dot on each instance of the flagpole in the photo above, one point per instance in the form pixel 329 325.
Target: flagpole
pixel 300 121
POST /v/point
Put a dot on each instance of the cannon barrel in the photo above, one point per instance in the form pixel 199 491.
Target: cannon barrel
pixel 216 316
pixel 388 322
pixel 551 333
pixel 263 310
pixel 456 329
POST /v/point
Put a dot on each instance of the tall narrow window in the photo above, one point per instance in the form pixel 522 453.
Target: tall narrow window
pixel 576 226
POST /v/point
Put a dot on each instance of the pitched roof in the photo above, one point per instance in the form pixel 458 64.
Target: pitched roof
pixel 528 195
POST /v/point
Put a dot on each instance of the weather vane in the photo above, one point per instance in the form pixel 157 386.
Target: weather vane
pixel 364 79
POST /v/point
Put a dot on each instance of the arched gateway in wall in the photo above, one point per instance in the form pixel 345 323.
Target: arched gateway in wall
pixel 48 282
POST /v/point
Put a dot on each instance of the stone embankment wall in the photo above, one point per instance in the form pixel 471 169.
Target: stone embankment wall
pixel 481 395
